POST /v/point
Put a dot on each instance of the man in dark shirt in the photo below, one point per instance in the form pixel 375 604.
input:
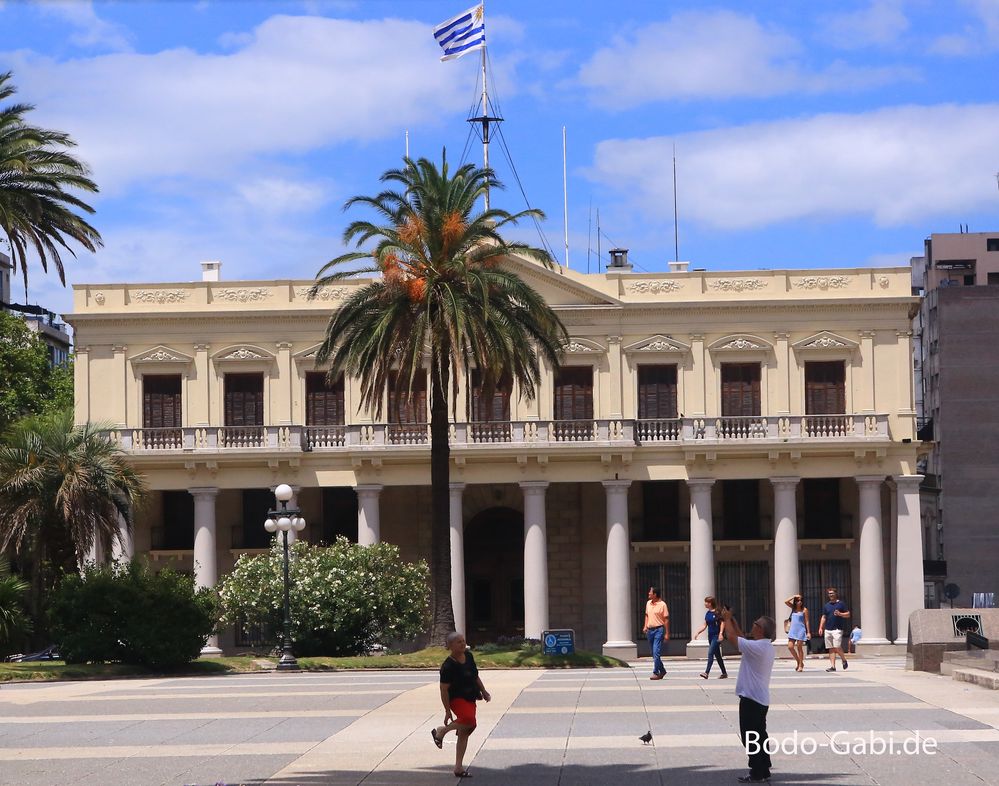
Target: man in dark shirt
pixel 460 688
pixel 831 627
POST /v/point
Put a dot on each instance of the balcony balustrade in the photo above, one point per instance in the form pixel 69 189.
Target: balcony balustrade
pixel 600 432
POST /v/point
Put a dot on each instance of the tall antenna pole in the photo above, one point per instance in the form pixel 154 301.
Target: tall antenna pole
pixel 676 225
pixel 565 200
pixel 407 143
pixel 598 239
pixel 589 234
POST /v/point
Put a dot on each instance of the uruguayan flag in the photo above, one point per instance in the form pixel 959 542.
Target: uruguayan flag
pixel 462 34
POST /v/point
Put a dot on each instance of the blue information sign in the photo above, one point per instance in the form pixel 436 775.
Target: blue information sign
pixel 559 642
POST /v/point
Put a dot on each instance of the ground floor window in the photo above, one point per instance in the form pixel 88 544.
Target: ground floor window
pixel 816 577
pixel 746 588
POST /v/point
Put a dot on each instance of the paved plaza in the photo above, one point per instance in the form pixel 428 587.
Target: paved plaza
pixel 542 727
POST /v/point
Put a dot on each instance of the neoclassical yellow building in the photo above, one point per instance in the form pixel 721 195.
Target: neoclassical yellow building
pixel 747 435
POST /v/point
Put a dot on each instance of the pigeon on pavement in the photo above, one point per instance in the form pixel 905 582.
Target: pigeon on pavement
pixel 647 737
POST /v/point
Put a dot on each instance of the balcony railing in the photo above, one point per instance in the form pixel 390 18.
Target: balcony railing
pixel 553 433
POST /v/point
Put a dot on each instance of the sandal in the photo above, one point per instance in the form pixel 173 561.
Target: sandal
pixel 704 676
pixel 437 740
pixel 463 774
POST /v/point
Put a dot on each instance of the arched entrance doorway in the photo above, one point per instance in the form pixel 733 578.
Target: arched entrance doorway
pixel 494 575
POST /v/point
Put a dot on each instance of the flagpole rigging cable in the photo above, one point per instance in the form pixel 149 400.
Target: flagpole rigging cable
pixel 565 200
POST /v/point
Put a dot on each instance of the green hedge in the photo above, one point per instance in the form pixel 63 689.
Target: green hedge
pixel 125 613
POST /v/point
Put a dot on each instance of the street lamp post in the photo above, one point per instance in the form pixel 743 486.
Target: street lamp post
pixel 285 519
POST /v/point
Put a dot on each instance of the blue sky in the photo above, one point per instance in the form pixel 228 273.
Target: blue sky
pixel 807 134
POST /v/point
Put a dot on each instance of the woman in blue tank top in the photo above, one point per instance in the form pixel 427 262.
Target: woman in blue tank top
pixel 799 630
pixel 715 627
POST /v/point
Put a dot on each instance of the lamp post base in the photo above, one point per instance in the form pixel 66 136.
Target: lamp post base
pixel 288 663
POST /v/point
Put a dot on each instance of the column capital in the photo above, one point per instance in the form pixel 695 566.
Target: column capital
pixel 869 480
pixel 696 336
pixel 369 489
pixel 907 482
pixel 785 482
pixel 700 483
pixel 533 486
pixel 867 333
pixel 119 349
pixel 616 484
pixel 781 335
pixel 459 487
pixel 203 492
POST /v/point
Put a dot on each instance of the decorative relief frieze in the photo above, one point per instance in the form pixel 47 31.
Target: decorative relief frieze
pixel 243 295
pixel 575 346
pixel 737 284
pixel 654 287
pixel 99 298
pixel 160 356
pixel 323 293
pixel 243 354
pixel 883 282
pixel 159 295
pixel 660 345
pixel 741 343
pixel 822 282
pixel 823 342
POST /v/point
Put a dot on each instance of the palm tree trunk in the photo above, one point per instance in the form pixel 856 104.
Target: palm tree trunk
pixel 442 613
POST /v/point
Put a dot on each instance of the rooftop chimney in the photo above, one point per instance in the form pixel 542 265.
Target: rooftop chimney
pixel 678 267
pixel 619 260
pixel 211 270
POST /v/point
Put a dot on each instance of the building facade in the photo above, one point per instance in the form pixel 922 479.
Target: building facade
pixel 957 379
pixel 45 323
pixel 747 435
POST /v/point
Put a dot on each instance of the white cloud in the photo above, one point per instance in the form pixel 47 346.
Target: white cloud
pixel 91 30
pixel 981 35
pixel 279 195
pixel 879 24
pixel 301 84
pixel 716 55
pixel 892 166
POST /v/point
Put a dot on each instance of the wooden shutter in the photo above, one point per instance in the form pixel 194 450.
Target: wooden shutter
pixel 656 392
pixel 161 401
pixel 574 394
pixel 323 401
pixel 740 389
pixel 407 406
pixel 825 388
pixel 244 400
pixel 495 411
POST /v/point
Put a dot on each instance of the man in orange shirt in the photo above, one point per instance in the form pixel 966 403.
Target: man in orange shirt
pixel 657 630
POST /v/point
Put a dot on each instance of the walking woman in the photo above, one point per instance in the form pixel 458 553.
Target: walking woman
pixel 799 631
pixel 716 633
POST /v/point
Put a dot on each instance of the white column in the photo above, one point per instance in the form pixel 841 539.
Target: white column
pixel 620 618
pixel 122 547
pixel 908 555
pixel 872 564
pixel 368 516
pixel 205 559
pixel 785 547
pixel 457 557
pixel 535 559
pixel 702 558
pixel 95 553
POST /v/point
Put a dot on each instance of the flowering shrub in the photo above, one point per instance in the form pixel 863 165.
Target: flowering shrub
pixel 344 597
pixel 128 614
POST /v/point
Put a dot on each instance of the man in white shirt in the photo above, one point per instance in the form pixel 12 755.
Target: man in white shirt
pixel 753 690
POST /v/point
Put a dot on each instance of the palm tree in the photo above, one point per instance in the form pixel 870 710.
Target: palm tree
pixel 14 621
pixel 62 488
pixel 36 210
pixel 444 293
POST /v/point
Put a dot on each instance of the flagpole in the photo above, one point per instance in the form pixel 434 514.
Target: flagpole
pixel 565 200
pixel 485 118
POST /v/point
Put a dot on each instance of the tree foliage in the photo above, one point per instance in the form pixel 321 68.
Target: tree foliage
pixel 14 619
pixel 38 212
pixel 448 290
pixel 28 384
pixel 344 598
pixel 125 613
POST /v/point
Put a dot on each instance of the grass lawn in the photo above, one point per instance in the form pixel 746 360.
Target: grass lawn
pixel 490 656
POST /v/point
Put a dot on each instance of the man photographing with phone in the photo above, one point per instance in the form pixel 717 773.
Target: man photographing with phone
pixel 753 689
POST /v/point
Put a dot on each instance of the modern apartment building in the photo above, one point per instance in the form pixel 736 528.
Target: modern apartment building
pixel 740 434
pixel 45 323
pixel 957 379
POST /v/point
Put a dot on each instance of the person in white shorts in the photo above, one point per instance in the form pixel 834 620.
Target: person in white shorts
pixel 834 614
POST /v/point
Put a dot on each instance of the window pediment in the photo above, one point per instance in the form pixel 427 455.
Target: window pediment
pixel 741 343
pixel 825 341
pixel 582 346
pixel 658 344
pixel 243 353
pixel 160 355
